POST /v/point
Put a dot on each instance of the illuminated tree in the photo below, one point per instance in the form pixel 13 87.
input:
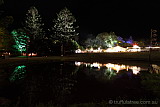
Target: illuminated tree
pixel 34 27
pixel 126 42
pixel 21 40
pixel 103 40
pixel 123 43
pixel 120 39
pixel 64 29
pixel 107 39
pixel 33 24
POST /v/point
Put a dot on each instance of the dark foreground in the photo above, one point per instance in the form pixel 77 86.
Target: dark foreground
pixel 48 83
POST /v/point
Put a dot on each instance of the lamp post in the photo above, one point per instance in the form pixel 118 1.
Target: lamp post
pixel 153 40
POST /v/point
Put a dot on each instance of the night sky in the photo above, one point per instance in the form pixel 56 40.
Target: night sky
pixel 126 19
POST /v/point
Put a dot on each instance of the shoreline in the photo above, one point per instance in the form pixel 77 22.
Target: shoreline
pixel 138 57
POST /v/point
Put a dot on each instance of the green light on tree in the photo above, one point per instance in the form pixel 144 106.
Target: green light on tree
pixel 21 40
pixel 109 73
pixel 18 73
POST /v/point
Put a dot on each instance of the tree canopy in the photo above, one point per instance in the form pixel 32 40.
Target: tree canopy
pixel 64 29
pixel 107 39
pixel 5 37
pixel 21 40
pixel 103 40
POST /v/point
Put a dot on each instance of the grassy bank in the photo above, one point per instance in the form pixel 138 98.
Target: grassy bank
pixel 139 57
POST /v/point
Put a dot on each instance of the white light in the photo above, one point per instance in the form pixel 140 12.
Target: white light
pixel 135 69
pixel 135 46
pixel 95 65
pixel 110 66
pixel 116 49
pixel 78 63
pixel 78 51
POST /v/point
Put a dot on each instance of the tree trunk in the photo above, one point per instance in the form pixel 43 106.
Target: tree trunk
pixel 62 49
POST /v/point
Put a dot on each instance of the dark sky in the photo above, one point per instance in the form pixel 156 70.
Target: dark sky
pixel 131 18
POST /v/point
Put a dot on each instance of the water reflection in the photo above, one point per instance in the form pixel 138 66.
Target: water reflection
pixel 18 73
pixel 111 66
pixel 155 69
pixel 64 83
pixel 45 83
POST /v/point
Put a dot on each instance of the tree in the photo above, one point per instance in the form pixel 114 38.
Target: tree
pixel 130 40
pixel 21 40
pixel 1 2
pixel 71 46
pixel 123 43
pixel 107 39
pixel 33 24
pixel 6 21
pixel 92 43
pixel 34 27
pixel 5 38
pixel 64 29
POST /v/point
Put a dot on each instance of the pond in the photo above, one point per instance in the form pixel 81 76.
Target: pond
pixel 68 83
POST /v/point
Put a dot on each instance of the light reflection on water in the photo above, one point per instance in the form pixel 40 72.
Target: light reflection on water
pixel 18 73
pixel 111 66
pixel 65 83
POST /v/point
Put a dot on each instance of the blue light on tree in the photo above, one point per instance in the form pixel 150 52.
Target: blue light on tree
pixel 130 40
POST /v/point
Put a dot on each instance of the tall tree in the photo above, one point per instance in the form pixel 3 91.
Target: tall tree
pixel 33 23
pixel 64 28
pixel 34 27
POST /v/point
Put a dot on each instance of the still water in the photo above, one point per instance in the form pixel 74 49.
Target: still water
pixel 66 83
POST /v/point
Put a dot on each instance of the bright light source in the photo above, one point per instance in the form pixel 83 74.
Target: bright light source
pixel 136 46
pixel 116 67
pixel 116 49
pixel 78 51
